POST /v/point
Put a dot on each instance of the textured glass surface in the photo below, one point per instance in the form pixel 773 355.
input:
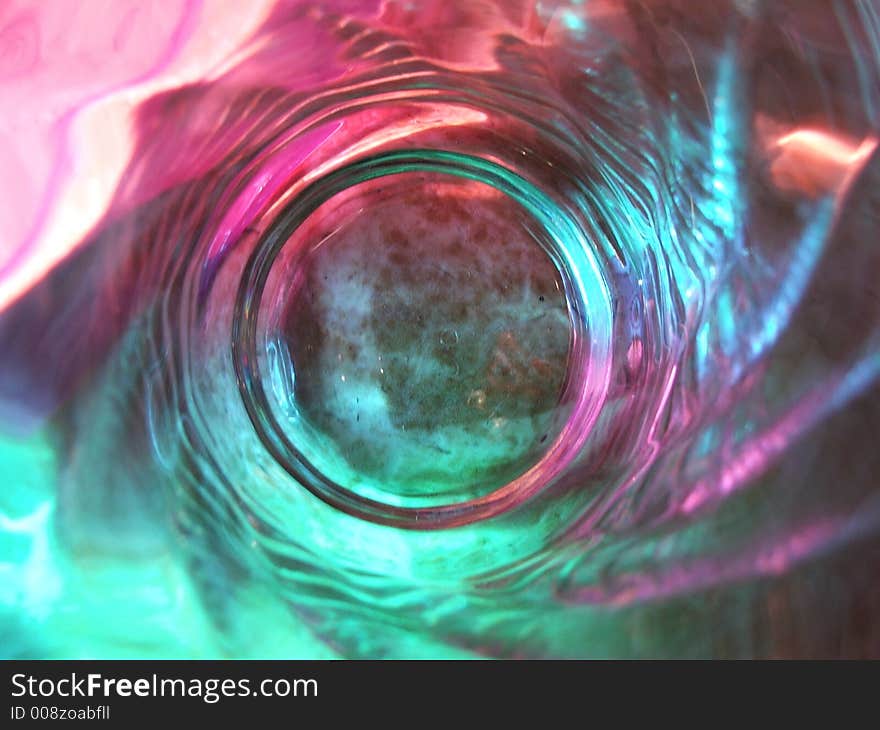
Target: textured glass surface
pixel 393 328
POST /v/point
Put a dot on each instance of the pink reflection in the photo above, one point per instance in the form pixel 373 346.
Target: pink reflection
pixel 70 75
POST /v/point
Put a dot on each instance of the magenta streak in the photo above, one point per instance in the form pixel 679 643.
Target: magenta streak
pixel 263 186
pixel 773 557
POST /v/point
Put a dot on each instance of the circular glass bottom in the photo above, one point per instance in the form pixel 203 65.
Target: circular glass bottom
pixel 413 339
pixel 429 334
